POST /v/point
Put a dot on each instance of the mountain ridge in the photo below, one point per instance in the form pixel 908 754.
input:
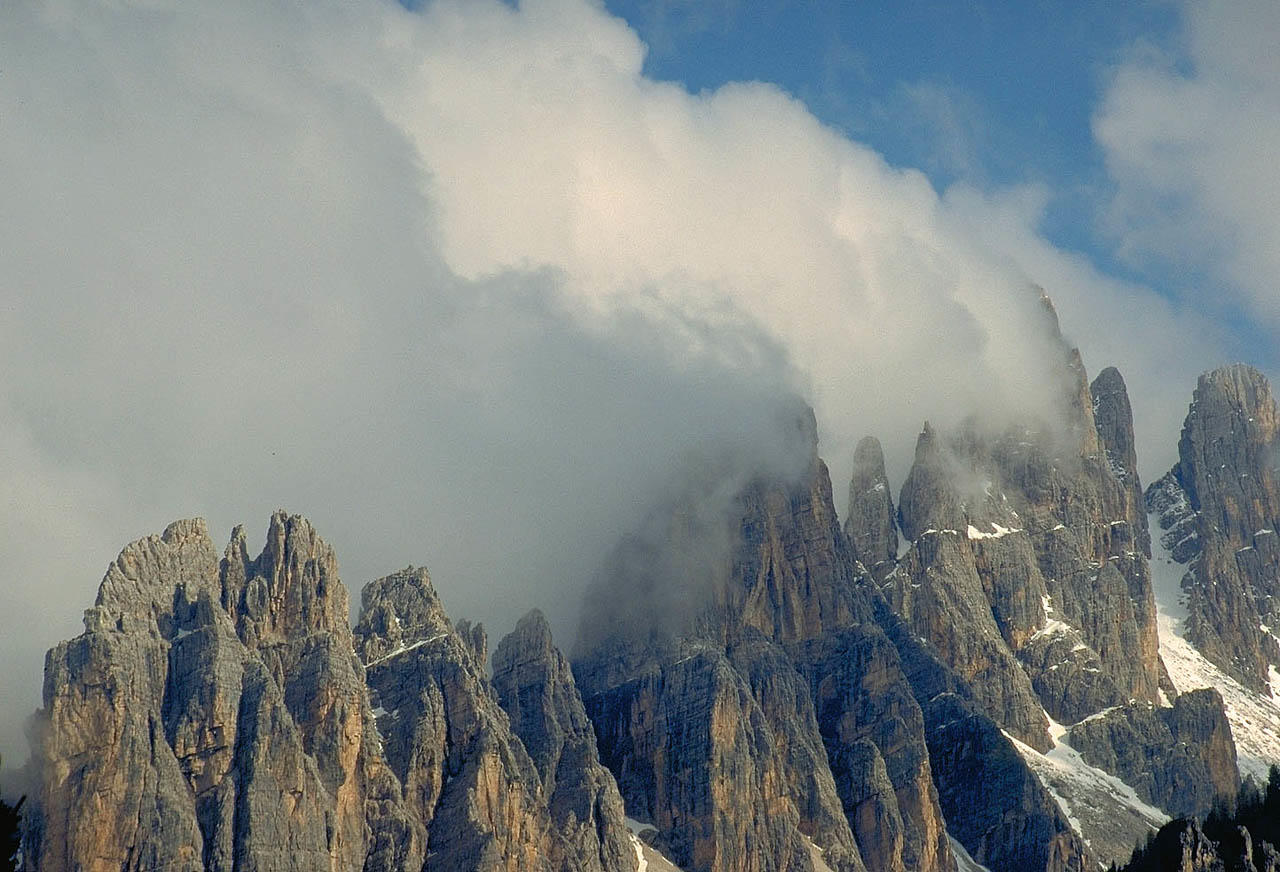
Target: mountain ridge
pixel 834 698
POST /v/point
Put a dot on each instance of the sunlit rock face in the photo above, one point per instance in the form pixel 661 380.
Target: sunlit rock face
pixel 234 721
pixel 219 704
pixel 1218 511
pixel 536 689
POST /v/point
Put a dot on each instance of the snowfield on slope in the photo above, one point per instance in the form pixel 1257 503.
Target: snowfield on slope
pixel 648 858
pixel 1102 809
pixel 1254 717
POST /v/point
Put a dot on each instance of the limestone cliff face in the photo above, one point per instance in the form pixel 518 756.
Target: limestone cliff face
pixel 871 524
pixel 1219 510
pixel 536 689
pixel 993 802
pixel 213 716
pixel 874 735
pixel 465 774
pixel 216 714
pixel 695 757
pixel 1028 565
pixel 728 741
pixel 1180 758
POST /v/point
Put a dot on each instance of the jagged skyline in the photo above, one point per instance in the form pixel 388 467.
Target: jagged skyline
pixel 464 283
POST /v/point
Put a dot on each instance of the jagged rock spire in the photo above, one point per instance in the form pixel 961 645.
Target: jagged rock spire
pixel 870 524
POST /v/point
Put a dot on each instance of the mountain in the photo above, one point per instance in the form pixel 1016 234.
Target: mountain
pixel 1001 669
pixel 1219 509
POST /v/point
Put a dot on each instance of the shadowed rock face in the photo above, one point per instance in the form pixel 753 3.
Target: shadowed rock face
pixel 1219 512
pixel 874 735
pixel 994 804
pixel 871 526
pixel 536 688
pixel 1181 759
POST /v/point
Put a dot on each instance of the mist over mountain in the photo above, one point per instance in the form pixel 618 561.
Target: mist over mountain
pixel 850 548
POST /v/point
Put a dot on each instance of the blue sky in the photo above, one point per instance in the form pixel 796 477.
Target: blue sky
pixel 994 94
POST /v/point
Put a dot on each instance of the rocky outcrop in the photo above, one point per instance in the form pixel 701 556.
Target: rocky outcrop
pixel 993 802
pixel 784 699
pixel 733 700
pixel 995 805
pixel 694 756
pixel 1219 510
pixel 535 687
pixel 1181 758
pixel 465 775
pixel 215 715
pixel 1028 566
pixel 1113 418
pixel 791 576
pixel 871 525
pixel 219 706
pixel 874 735
pixel 1180 845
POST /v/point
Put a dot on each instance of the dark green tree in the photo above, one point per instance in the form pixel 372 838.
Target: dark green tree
pixel 10 834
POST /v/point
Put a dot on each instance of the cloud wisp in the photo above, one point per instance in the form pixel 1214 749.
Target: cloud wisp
pixel 1187 133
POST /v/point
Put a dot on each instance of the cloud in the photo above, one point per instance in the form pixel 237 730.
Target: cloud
pixel 898 304
pixel 1187 133
pixel 462 285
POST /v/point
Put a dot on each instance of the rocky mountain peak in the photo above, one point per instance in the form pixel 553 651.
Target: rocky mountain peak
pixel 1233 426
pixel 870 524
pixel 1113 417
pixel 1219 510
pixel 397 611
pixel 929 498
pixel 536 688
pixel 1113 420
pixel 140 585
pixel 288 591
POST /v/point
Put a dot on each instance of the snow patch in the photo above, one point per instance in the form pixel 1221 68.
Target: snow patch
pixel 964 862
pixel 404 649
pixel 815 854
pixel 642 865
pixel 648 858
pixel 1254 717
pixel 1084 791
pixel 997 532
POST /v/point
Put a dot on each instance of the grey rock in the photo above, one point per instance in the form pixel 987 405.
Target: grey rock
pixel 1180 758
pixel 784 699
pixel 994 804
pixel 1219 512
pixel 1113 418
pixel 220 705
pixel 536 688
pixel 861 696
pixel 693 755
pixel 466 776
pixel 870 525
